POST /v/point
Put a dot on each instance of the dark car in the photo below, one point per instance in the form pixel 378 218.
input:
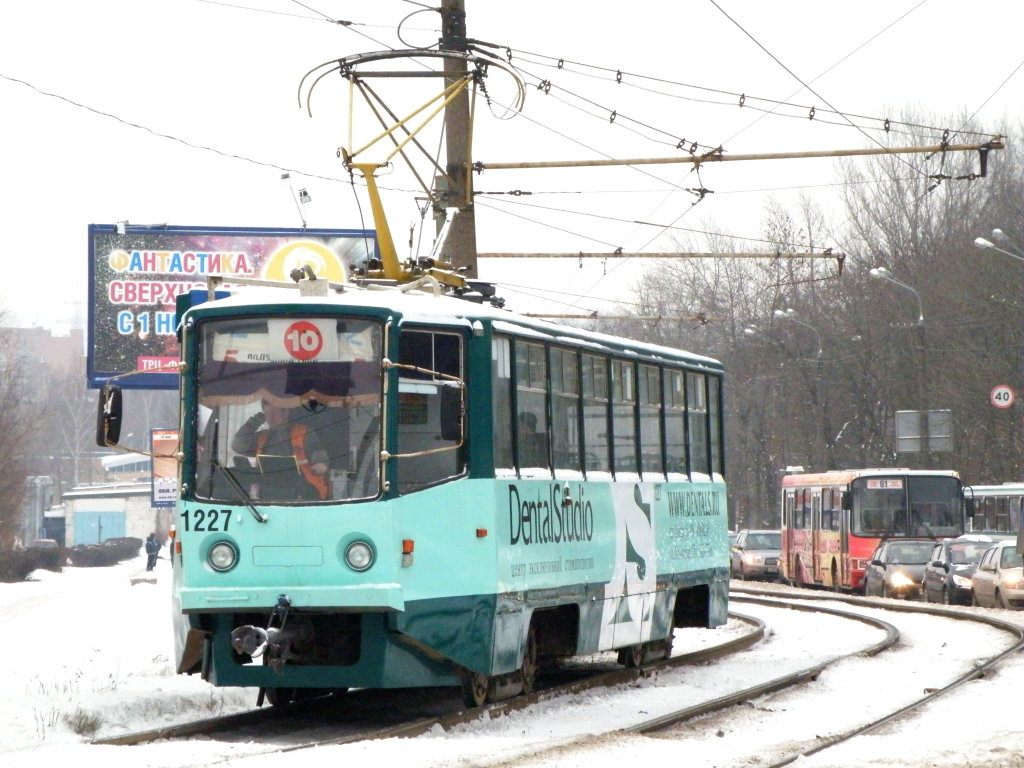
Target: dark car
pixel 947 575
pixel 755 554
pixel 896 568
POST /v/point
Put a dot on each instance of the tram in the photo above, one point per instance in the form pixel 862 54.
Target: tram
pixel 391 486
pixel 833 521
pixel 995 508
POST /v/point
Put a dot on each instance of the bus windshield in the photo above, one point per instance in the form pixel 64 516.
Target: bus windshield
pixel 907 505
pixel 289 410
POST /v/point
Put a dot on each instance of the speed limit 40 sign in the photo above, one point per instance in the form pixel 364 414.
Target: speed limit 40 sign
pixel 1001 396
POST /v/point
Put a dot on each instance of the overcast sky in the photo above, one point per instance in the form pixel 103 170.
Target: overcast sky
pixel 187 112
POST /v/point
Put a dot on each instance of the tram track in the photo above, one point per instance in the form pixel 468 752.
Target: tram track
pixel 294 722
pixel 456 714
pixel 981 668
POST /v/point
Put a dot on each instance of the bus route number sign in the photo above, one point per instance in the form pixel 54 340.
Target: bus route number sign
pixel 1001 396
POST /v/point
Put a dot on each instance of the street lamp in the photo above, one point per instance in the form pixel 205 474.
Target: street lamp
pixel 1014 252
pixel 819 394
pixel 998 234
pixel 882 273
pixel 790 314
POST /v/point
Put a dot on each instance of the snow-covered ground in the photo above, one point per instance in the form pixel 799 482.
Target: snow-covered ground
pixel 89 651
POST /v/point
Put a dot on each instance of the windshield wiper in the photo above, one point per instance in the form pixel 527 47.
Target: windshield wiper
pixel 237 486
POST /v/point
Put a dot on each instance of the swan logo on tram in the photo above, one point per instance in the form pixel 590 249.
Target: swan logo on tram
pixel 397 488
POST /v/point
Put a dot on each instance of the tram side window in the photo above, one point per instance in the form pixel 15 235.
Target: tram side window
pixel 501 397
pixel 649 392
pixel 715 422
pixel 1003 514
pixel 697 416
pixel 594 370
pixel 419 408
pixel 565 410
pixel 675 422
pixel 624 416
pixel 531 415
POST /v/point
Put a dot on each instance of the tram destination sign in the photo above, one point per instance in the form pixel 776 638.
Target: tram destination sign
pixel 137 272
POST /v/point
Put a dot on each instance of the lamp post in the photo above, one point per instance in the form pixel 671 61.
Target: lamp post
pixel 819 395
pixel 998 234
pixel 1014 253
pixel 769 437
pixel 881 273
pixel 790 314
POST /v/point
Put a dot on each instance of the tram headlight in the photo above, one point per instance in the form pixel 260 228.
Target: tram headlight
pixel 223 556
pixel 359 555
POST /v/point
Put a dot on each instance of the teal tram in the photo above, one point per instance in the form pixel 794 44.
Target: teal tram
pixel 395 488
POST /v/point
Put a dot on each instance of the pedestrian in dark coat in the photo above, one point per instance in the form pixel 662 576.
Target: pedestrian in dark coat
pixel 152 550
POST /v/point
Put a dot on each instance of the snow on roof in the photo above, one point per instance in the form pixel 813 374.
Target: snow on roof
pixel 426 307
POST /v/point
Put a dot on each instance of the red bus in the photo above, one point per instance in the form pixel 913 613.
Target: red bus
pixel 832 521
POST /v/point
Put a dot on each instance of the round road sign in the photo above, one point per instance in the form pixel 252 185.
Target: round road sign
pixel 1001 396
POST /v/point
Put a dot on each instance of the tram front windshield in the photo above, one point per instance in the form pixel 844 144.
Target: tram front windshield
pixel 289 410
pixel 924 506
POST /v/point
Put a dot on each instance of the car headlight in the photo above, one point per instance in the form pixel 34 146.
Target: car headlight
pixel 900 579
pixel 1012 580
pixel 751 559
pixel 962 582
pixel 223 556
pixel 359 555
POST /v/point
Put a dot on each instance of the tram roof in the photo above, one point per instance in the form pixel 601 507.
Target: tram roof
pixel 418 306
pixel 1006 489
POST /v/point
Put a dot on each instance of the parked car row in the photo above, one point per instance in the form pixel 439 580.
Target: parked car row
pixel 971 569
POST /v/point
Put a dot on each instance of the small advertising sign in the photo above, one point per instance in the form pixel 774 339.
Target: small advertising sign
pixel 136 273
pixel 163 444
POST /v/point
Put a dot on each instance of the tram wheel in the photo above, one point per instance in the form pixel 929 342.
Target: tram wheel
pixel 281 697
pixel 528 672
pixel 669 640
pixel 633 656
pixel 475 687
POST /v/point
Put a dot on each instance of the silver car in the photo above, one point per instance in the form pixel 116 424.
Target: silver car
pixel 755 555
pixel 999 580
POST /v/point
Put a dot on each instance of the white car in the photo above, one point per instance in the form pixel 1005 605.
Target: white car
pixel 999 580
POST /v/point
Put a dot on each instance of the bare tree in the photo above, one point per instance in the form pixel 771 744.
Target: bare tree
pixel 18 411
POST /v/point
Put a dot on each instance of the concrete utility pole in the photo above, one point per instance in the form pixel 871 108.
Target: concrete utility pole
pixel 457 190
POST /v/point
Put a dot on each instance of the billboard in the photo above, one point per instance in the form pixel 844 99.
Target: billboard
pixel 136 273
